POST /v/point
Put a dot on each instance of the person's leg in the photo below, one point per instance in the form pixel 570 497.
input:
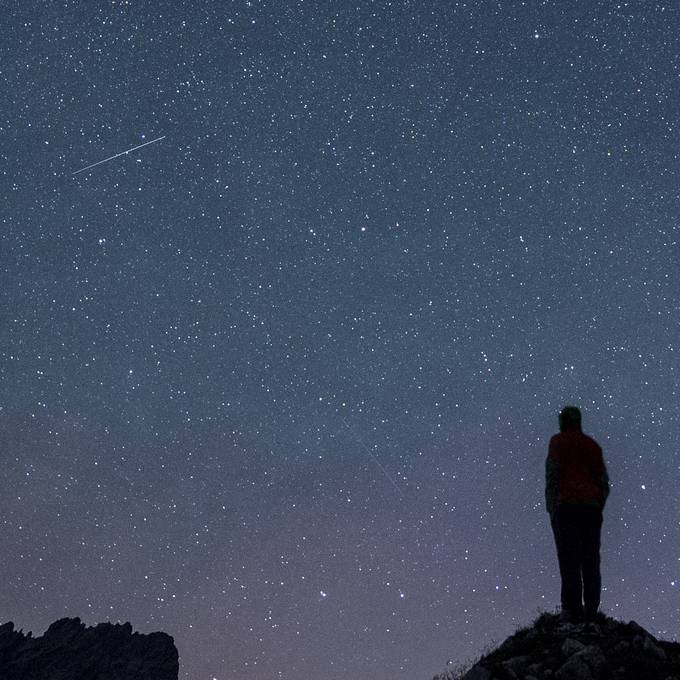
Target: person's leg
pixel 592 581
pixel 568 542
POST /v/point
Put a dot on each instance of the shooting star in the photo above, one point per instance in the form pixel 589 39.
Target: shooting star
pixel 375 460
pixel 122 153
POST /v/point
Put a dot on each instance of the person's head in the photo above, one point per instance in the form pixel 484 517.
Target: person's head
pixel 570 418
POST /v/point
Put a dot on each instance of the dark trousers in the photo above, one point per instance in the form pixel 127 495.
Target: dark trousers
pixel 577 537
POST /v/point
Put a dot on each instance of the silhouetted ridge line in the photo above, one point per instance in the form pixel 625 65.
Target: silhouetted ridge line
pixel 70 651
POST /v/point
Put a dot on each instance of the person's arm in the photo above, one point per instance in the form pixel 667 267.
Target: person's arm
pixel 551 479
pixel 604 482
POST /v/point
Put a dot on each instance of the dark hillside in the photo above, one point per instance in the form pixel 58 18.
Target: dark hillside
pixel 551 649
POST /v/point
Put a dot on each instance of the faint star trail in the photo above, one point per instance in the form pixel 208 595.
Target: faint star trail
pixel 375 460
pixel 122 153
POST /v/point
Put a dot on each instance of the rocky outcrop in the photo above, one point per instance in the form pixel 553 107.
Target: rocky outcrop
pixel 552 649
pixel 70 651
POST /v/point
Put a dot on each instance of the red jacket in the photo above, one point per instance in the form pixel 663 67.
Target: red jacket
pixel 575 471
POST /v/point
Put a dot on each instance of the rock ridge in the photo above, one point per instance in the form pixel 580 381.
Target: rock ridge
pixel 70 651
pixel 552 649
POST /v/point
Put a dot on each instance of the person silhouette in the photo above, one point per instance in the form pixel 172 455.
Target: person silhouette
pixel 576 490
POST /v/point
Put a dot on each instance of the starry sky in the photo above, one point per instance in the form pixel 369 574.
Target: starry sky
pixel 281 383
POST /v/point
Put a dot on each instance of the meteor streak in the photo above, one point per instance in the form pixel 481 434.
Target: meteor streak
pixel 122 153
pixel 375 460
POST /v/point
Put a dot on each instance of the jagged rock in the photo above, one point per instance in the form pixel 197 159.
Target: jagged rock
pixel 477 673
pixel 574 669
pixel 570 647
pixel 553 650
pixel 652 649
pixel 621 647
pixel 635 627
pixel 70 651
pixel 595 660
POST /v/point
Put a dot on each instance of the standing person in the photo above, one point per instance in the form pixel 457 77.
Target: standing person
pixel 576 489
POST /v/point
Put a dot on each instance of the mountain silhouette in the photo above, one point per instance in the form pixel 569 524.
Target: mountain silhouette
pixel 70 651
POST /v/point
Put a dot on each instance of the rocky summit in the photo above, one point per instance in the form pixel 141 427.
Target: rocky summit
pixel 552 649
pixel 70 651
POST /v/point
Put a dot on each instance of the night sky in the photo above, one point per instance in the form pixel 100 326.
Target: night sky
pixel 281 383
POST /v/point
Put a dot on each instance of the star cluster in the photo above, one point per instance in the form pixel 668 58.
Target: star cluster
pixel 281 383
